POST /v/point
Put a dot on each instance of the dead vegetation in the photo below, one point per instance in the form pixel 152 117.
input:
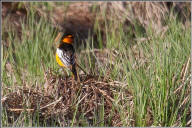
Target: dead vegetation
pixel 81 20
pixel 64 97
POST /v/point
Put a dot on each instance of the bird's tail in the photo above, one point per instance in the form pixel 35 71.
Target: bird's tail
pixel 74 71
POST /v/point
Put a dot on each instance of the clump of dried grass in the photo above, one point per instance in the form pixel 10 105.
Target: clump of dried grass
pixel 80 17
pixel 66 99
pixel 185 79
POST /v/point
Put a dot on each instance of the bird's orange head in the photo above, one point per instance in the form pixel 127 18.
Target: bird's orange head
pixel 67 38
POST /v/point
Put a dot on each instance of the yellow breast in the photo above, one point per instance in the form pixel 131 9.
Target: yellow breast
pixel 59 61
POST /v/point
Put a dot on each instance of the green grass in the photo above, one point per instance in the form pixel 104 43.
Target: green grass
pixel 152 75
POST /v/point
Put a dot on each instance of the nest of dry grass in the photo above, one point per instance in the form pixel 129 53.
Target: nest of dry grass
pixel 65 99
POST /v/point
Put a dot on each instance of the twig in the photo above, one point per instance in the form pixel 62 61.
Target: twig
pixel 184 101
pixel 19 109
pixel 189 122
pixel 55 102
pixel 180 87
pixel 84 97
pixel 184 72
pixel 105 94
pixel 186 67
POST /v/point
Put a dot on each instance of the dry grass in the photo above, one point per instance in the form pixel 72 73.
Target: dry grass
pixel 81 20
pixel 63 96
pixel 75 104
pixel 90 18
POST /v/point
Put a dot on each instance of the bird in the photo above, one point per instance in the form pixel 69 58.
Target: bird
pixel 65 54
